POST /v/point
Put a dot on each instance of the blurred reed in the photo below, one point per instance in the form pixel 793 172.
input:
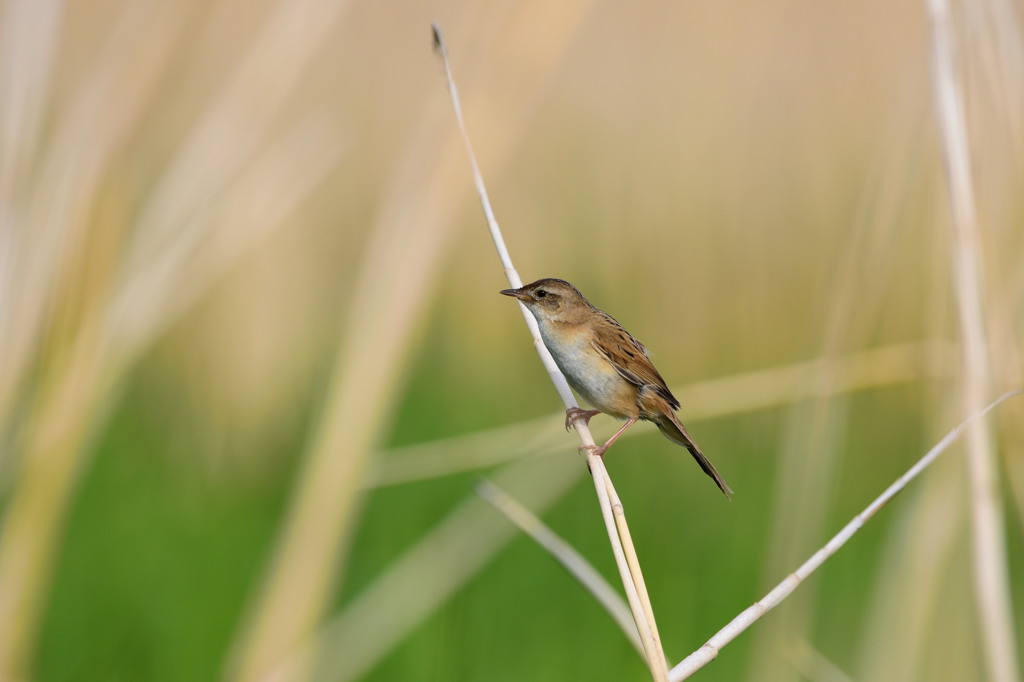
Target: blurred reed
pixel 784 589
pixel 811 451
pixel 357 630
pixel 720 397
pixel 988 530
pixel 428 573
pixel 139 274
pixel 565 554
pixel 397 274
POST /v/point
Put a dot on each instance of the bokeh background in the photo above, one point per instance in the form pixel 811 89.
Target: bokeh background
pixel 253 361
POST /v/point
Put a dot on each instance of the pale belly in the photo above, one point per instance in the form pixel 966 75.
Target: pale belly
pixel 590 375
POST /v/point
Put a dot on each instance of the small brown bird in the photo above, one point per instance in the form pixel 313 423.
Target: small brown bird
pixel 605 365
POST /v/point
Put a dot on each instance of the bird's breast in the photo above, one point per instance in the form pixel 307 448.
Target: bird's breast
pixel 590 375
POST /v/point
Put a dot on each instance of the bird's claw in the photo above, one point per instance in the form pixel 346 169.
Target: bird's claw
pixel 574 413
pixel 594 450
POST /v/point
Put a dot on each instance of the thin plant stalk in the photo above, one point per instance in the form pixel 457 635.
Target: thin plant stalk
pixel 655 658
pixel 991 574
pixel 636 574
pixel 749 616
pixel 565 554
pixel 643 617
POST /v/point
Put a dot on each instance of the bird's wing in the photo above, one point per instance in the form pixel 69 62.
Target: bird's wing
pixel 629 358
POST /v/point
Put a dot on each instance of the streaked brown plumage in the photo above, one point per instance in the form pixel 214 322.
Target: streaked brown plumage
pixel 605 365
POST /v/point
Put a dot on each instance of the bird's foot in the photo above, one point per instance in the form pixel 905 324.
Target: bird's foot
pixel 599 451
pixel 574 413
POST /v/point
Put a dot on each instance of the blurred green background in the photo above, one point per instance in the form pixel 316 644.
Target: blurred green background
pixel 253 361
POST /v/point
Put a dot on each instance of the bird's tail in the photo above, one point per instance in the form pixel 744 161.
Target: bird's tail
pixel 674 430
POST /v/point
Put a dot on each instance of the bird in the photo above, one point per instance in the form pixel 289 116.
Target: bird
pixel 606 366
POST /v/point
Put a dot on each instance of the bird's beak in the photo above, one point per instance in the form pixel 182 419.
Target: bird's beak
pixel 516 293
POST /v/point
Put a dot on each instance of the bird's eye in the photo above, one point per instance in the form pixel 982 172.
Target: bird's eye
pixel 541 293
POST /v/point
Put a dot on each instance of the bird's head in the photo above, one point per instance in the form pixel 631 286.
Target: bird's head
pixel 550 299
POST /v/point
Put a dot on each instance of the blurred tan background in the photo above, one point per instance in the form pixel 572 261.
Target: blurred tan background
pixel 253 360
